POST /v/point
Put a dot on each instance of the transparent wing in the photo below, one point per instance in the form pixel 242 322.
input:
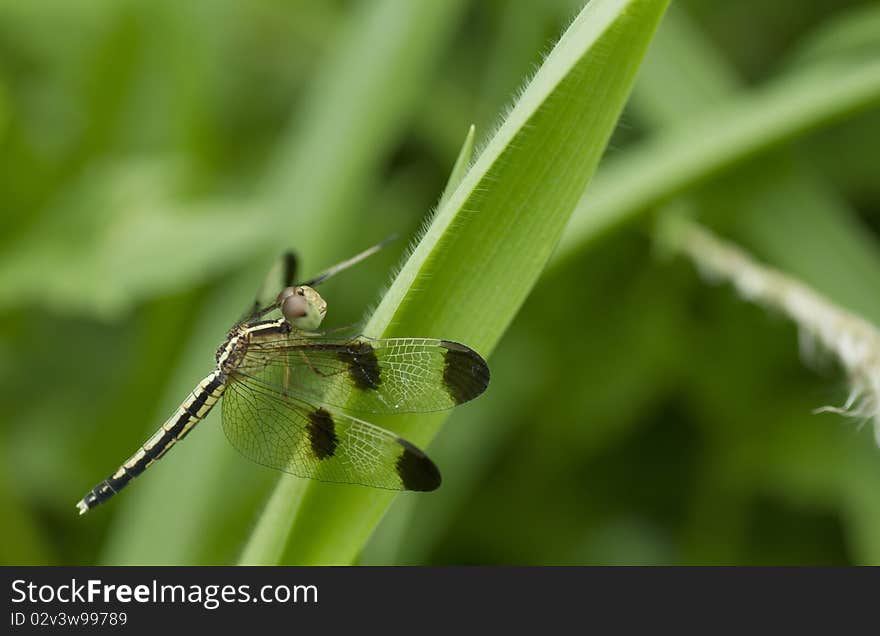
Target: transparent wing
pixel 277 430
pixel 397 375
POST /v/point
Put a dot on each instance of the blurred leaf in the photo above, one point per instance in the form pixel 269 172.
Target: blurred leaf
pixel 678 158
pixel 164 241
pixel 121 234
pixel 508 213
pixel 800 224
pixel 853 33
pixel 793 220
pixel 684 75
pixel 782 209
pixel 846 153
pixel 22 539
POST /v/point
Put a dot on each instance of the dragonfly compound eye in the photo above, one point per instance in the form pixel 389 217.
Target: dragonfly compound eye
pixel 303 307
pixel 285 293
pixel 294 307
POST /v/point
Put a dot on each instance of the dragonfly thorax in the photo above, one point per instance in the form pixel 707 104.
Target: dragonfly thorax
pixel 238 342
pixel 230 353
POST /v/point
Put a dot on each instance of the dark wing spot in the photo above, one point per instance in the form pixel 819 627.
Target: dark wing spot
pixel 362 365
pixel 416 471
pixel 322 434
pixel 465 373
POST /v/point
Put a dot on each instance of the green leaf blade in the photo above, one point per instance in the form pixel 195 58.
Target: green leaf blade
pixel 462 163
pixel 485 248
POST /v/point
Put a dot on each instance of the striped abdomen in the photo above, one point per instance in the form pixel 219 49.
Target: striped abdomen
pixel 188 414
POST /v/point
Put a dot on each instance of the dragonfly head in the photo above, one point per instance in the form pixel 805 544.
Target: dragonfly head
pixel 302 306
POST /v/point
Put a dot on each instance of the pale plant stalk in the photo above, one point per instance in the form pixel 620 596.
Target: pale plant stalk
pixel 854 341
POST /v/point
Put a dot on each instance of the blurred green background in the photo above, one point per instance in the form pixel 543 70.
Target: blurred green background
pixel 156 156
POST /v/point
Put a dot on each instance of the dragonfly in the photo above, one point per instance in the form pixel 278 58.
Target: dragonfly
pixel 290 394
